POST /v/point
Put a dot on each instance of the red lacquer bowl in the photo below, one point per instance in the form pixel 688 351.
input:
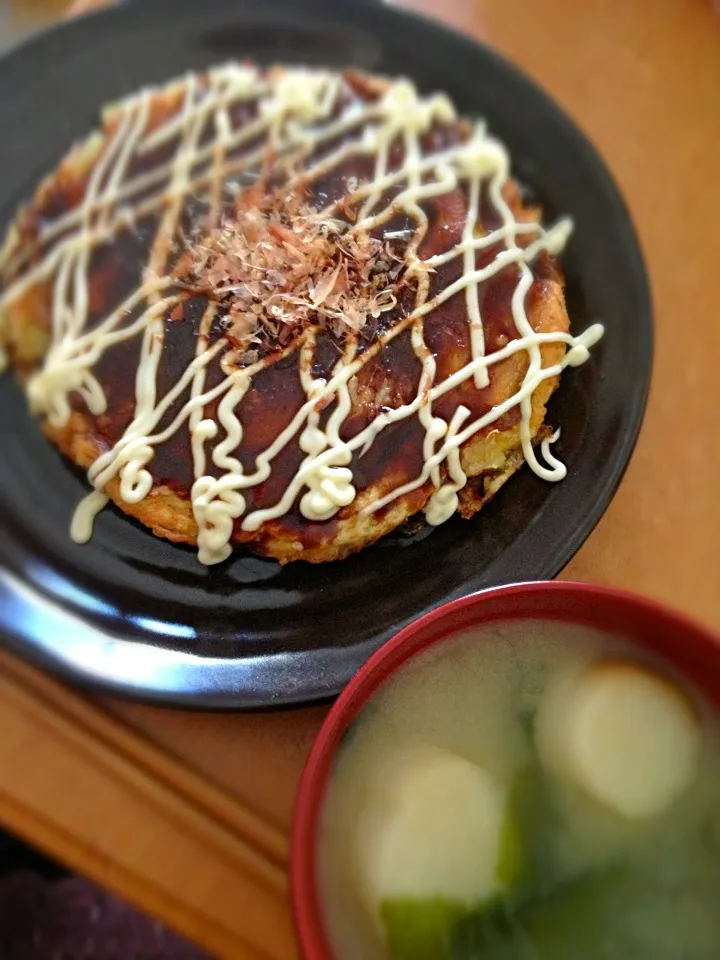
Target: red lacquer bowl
pixel 693 649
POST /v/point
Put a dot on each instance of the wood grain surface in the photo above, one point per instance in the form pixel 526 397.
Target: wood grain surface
pixel 187 813
pixel 108 803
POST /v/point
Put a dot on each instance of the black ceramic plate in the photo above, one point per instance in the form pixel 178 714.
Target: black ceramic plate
pixel 140 616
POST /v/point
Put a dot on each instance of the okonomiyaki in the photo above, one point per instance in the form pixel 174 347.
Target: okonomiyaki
pixel 288 308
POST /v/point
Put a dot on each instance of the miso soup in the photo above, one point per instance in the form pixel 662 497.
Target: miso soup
pixel 528 791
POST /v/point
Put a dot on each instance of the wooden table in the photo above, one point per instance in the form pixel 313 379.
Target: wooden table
pixel 187 814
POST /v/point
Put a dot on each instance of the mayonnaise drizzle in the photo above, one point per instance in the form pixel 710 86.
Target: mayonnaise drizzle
pixel 298 112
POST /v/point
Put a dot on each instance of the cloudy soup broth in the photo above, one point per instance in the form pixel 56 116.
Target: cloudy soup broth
pixel 526 791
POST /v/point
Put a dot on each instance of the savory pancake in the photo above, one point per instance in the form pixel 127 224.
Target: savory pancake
pixel 288 308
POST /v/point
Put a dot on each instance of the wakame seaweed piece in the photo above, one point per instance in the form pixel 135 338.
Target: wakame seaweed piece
pixel 615 913
pixel 533 825
pixel 421 929
pixel 511 859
